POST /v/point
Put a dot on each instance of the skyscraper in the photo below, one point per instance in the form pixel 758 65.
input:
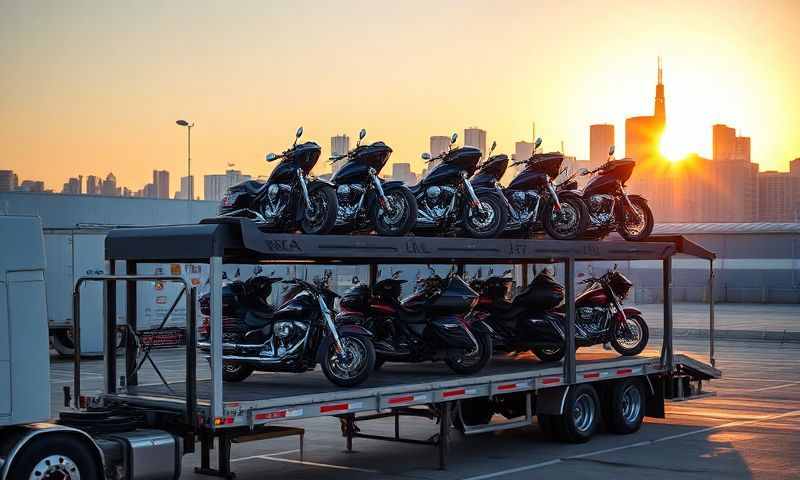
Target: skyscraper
pixel 160 184
pixel 340 145
pixel 186 184
pixel 643 134
pixel 742 149
pixel 475 137
pixel 73 186
pixel 109 186
pixel 8 181
pixel 214 186
pixel 439 144
pixel 723 142
pixel 93 185
pixel 601 137
pixel 794 167
pixel 660 109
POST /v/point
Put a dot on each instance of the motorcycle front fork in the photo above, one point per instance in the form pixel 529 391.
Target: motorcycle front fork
pixel 304 187
pixel 326 314
pixel 379 188
pixel 628 203
pixel 473 198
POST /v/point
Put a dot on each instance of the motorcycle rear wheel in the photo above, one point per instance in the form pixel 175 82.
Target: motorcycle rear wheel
pixel 323 218
pixel 400 221
pixel 461 362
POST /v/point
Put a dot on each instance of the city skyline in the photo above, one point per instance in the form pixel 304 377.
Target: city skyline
pixel 114 105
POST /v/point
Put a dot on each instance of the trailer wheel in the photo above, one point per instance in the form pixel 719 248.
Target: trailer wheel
pixel 235 371
pixel 62 342
pixel 626 410
pixel 581 415
pixel 55 456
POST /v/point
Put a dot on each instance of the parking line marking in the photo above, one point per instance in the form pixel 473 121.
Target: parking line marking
pixel 315 464
pixel 285 452
pixel 634 445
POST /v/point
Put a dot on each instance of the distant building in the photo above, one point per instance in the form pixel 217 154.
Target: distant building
pixel 109 186
pixel 214 186
pixel 522 151
pixel 601 137
pixel 93 184
pixel 160 184
pixel 187 186
pixel 32 186
pixel 402 172
pixel 439 144
pixel 73 186
pixel 8 181
pixel 742 149
pixel 340 145
pixel 475 137
pixel 723 142
pixel 778 197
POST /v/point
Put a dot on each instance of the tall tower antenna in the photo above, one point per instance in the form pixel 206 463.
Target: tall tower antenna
pixel 533 132
pixel 660 76
pixel 660 110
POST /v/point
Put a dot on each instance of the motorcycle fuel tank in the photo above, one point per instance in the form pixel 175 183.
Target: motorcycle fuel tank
pixel 591 297
pixel 361 160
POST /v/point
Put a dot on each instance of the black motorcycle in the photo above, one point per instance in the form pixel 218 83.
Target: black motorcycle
pixel 531 198
pixel 289 199
pixel 428 325
pixel 534 319
pixel 609 206
pixel 365 200
pixel 290 338
pixel 447 201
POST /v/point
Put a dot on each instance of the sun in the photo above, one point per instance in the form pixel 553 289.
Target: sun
pixel 672 145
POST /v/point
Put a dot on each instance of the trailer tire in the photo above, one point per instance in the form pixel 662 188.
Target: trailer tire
pixel 626 410
pixel 62 343
pixel 55 453
pixel 581 415
pixel 235 371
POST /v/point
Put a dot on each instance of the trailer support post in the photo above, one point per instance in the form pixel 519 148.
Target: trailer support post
pixel 349 430
pixel 373 274
pixel 569 310
pixel 131 310
pixel 666 348
pixel 191 368
pixel 444 434
pixel 110 338
pixel 711 319
pixel 215 276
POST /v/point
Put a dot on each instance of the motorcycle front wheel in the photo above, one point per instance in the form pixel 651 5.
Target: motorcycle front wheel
pixel 401 216
pixel 567 224
pixel 488 220
pixel 637 225
pixel 321 217
pixel 469 362
pixel 351 366
pixel 631 341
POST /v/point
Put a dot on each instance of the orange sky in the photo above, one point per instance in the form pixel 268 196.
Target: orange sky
pixel 93 87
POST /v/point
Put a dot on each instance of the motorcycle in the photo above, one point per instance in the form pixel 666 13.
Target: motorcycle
pixel 609 205
pixel 431 324
pixel 534 321
pixel 531 198
pixel 289 199
pixel 291 338
pixel 446 200
pixel 364 199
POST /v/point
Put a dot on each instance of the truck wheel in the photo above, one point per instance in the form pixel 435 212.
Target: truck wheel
pixel 62 342
pixel 474 411
pixel 235 371
pixel 55 456
pixel 581 415
pixel 627 406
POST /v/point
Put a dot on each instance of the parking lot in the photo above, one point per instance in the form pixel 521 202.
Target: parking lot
pixel 749 429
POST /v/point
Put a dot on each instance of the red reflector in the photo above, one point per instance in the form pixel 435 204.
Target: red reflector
pixel 228 420
pixel 271 415
pixel 454 393
pixel 333 408
pixel 548 381
pixel 507 386
pixel 591 375
pixel 396 400
pixel 624 371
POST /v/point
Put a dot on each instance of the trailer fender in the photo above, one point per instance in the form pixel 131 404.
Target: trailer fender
pixel 17 438
pixel 550 401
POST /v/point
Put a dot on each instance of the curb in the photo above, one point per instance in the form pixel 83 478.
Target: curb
pixel 760 335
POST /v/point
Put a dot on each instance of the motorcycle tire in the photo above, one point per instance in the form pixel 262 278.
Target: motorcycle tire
pixel 568 204
pixel 644 336
pixel 235 371
pixel 327 220
pixel 548 354
pixel 337 373
pixel 455 357
pixel 406 219
pixel 639 236
pixel 491 223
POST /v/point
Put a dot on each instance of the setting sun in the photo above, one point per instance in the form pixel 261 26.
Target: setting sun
pixel 674 144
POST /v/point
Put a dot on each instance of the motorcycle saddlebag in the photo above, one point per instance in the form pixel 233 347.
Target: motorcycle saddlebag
pixel 450 331
pixel 537 330
pixel 543 293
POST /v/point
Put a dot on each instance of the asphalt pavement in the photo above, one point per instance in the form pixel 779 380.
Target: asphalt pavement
pixel 749 429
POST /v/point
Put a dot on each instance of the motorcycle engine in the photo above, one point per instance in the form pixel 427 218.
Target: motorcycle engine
pixel 349 197
pixel 437 200
pixel 591 319
pixel 525 203
pixel 601 208
pixel 287 334
pixel 277 199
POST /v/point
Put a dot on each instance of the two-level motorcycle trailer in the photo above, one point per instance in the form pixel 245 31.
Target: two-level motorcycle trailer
pixel 205 410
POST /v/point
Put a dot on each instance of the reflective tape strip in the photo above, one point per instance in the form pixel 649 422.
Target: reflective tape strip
pixel 406 399
pixel 551 380
pixel 340 407
pixel 454 393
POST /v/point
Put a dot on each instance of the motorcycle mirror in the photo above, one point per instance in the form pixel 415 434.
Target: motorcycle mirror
pixel 271 157
pixel 426 156
pixel 299 132
pixel 537 143
pixel 507 272
pixel 611 150
pixel 396 274
pixel 491 149
pixel 583 171
pixel 453 138
pixel 355 280
pixel 362 134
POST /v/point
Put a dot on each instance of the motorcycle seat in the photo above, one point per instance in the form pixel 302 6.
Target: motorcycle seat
pixel 258 319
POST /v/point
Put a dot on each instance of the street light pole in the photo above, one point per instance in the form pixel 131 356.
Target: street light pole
pixel 188 125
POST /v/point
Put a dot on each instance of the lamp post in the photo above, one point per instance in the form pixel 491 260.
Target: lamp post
pixel 188 125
